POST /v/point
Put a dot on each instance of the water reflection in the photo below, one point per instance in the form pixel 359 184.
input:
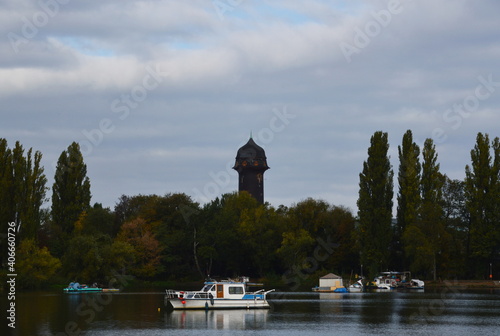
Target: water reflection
pixel 445 312
pixel 331 303
pixel 218 319
pixel 377 308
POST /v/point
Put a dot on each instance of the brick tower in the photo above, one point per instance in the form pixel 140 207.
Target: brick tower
pixel 251 164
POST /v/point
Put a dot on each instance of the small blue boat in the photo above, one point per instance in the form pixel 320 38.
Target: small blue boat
pixel 76 288
pixel 82 290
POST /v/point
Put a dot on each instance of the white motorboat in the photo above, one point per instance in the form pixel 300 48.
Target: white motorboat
pixel 397 280
pixel 356 287
pixel 225 294
pixel 416 284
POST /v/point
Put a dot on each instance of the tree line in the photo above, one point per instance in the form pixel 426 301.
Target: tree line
pixel 444 228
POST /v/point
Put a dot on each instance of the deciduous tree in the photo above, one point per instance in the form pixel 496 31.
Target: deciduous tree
pixel 70 195
pixel 147 251
pixel 34 265
pixel 375 205
pixel 409 200
pixel 482 190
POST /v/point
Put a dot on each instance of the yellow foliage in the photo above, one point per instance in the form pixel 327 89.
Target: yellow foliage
pixel 79 223
pixel 35 266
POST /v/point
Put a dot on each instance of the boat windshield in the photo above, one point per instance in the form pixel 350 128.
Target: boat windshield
pixel 207 288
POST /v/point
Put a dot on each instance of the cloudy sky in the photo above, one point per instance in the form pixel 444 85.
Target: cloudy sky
pixel 160 94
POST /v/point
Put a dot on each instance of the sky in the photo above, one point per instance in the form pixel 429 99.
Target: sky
pixel 160 94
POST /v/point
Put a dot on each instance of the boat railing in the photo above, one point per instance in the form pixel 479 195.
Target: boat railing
pixel 173 294
pixel 198 295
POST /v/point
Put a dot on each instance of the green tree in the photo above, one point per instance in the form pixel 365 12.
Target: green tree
pixel 132 207
pixel 35 266
pixel 375 205
pixel 310 221
pixel 261 233
pixel 205 237
pixel 431 213
pixel 96 220
pixel 457 224
pixel 35 195
pixel 6 199
pixel 70 195
pixel 234 233
pixel 482 190
pixel 408 196
pixel 169 218
pixel 295 248
pixel 7 204
pixel 426 239
pixel 345 257
pixel 22 190
pixel 147 251
pixel 234 256
pixel 93 258
pixel 175 233
pixel 305 222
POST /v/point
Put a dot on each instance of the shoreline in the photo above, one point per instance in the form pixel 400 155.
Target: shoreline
pixel 469 284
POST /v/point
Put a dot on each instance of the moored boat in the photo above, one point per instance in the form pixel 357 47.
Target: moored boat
pixel 76 288
pixel 397 280
pixel 225 294
pixel 356 287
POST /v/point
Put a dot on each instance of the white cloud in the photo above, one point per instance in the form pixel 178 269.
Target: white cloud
pixel 223 78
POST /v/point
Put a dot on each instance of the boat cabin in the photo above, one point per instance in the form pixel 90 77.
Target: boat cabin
pixel 224 290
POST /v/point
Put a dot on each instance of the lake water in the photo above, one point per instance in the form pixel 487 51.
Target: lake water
pixel 443 311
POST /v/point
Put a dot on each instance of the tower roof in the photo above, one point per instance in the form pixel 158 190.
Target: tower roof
pixel 251 155
pixel 251 151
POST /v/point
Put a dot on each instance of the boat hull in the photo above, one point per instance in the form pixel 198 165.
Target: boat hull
pixel 90 290
pixel 82 290
pixel 218 304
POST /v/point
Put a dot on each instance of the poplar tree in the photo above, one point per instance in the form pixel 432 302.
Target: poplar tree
pixel 482 190
pixel 409 193
pixel 6 199
pixel 70 194
pixel 22 189
pixel 30 193
pixel 457 225
pixel 375 205
pixel 430 224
